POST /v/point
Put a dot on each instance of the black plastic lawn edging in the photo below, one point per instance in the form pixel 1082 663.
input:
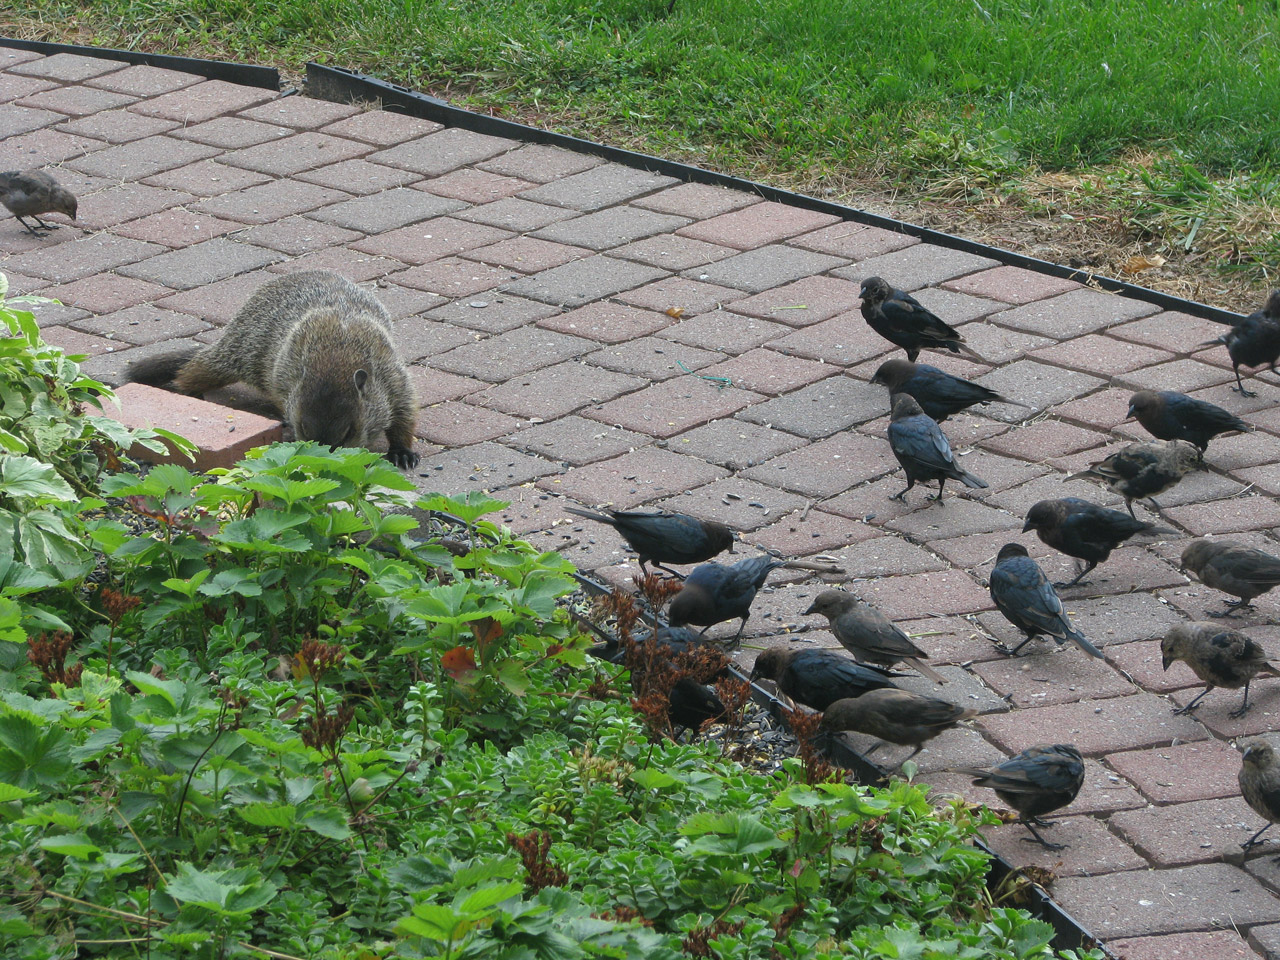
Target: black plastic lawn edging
pixel 241 73
pixel 341 85
pixel 1068 933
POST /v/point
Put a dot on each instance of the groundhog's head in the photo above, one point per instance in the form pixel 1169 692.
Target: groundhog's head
pixel 330 411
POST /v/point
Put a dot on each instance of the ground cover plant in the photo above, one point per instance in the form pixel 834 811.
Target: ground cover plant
pixel 274 717
pixel 1113 131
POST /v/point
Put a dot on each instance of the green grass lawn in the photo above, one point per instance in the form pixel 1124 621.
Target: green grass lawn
pixel 917 94
pixel 812 82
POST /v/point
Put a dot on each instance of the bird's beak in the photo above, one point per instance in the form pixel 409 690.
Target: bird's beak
pixel 812 609
pixel 1130 415
pixel 1026 526
pixel 1167 660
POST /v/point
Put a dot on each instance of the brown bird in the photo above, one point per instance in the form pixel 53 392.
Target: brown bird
pixel 714 593
pixel 895 716
pixel 922 449
pixel 868 634
pixel 818 678
pixel 903 320
pixel 1169 415
pixel 1260 783
pixel 1232 568
pixel 1219 656
pixel 1253 341
pixel 1082 530
pixel 33 192
pixel 940 394
pixel 1039 780
pixel 1143 470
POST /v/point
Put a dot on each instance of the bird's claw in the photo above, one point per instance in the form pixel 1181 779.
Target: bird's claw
pixel 1045 843
pixel 1240 711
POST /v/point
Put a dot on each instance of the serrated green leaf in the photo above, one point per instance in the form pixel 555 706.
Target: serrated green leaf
pixel 74 845
pixel 327 823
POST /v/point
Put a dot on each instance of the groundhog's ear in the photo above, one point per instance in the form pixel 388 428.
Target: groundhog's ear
pixel 361 378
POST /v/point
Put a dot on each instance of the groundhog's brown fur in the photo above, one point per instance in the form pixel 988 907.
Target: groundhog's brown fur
pixel 321 348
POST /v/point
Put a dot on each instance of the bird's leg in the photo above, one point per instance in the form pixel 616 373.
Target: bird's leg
pixel 1039 839
pixel 1079 578
pixel 1014 651
pixel 30 228
pixel 919 747
pixel 1239 387
pixel 1244 707
pixel 1254 841
pixel 1233 609
pixel 47 226
pixel 675 573
pixel 901 495
pixel 942 482
pixel 1192 705
pixel 1129 505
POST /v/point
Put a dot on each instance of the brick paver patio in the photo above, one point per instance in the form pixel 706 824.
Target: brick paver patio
pixel 584 331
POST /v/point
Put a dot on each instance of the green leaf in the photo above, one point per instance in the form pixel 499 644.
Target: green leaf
pixel 9 793
pixel 278 816
pixel 479 901
pixel 74 845
pixel 10 621
pixel 168 690
pixel 327 823
pixel 435 923
pixel 650 779
pixel 514 675
pixel 22 476
pixel 221 891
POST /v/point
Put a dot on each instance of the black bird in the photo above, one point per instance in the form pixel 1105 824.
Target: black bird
pixel 1253 341
pixel 1039 780
pixel 868 634
pixel 1169 415
pixel 1232 568
pixel 33 192
pixel 1218 656
pixel 818 678
pixel 671 641
pixel 1082 530
pixel 714 593
pixel 665 537
pixel 1260 783
pixel 895 716
pixel 691 704
pixel 940 394
pixel 1027 599
pixel 903 320
pixel 1144 469
pixel 922 449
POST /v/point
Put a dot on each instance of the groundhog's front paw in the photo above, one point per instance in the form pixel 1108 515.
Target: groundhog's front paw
pixel 403 457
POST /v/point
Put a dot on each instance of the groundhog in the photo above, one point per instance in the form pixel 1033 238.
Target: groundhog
pixel 321 348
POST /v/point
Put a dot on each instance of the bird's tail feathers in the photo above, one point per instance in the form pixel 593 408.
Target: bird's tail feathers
pixel 589 514
pixel 1083 643
pixel 924 669
pixel 1014 403
pixel 969 480
pixel 1082 475
pixel 1210 343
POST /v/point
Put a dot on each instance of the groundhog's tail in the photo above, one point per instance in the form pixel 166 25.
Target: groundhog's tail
pixel 160 370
